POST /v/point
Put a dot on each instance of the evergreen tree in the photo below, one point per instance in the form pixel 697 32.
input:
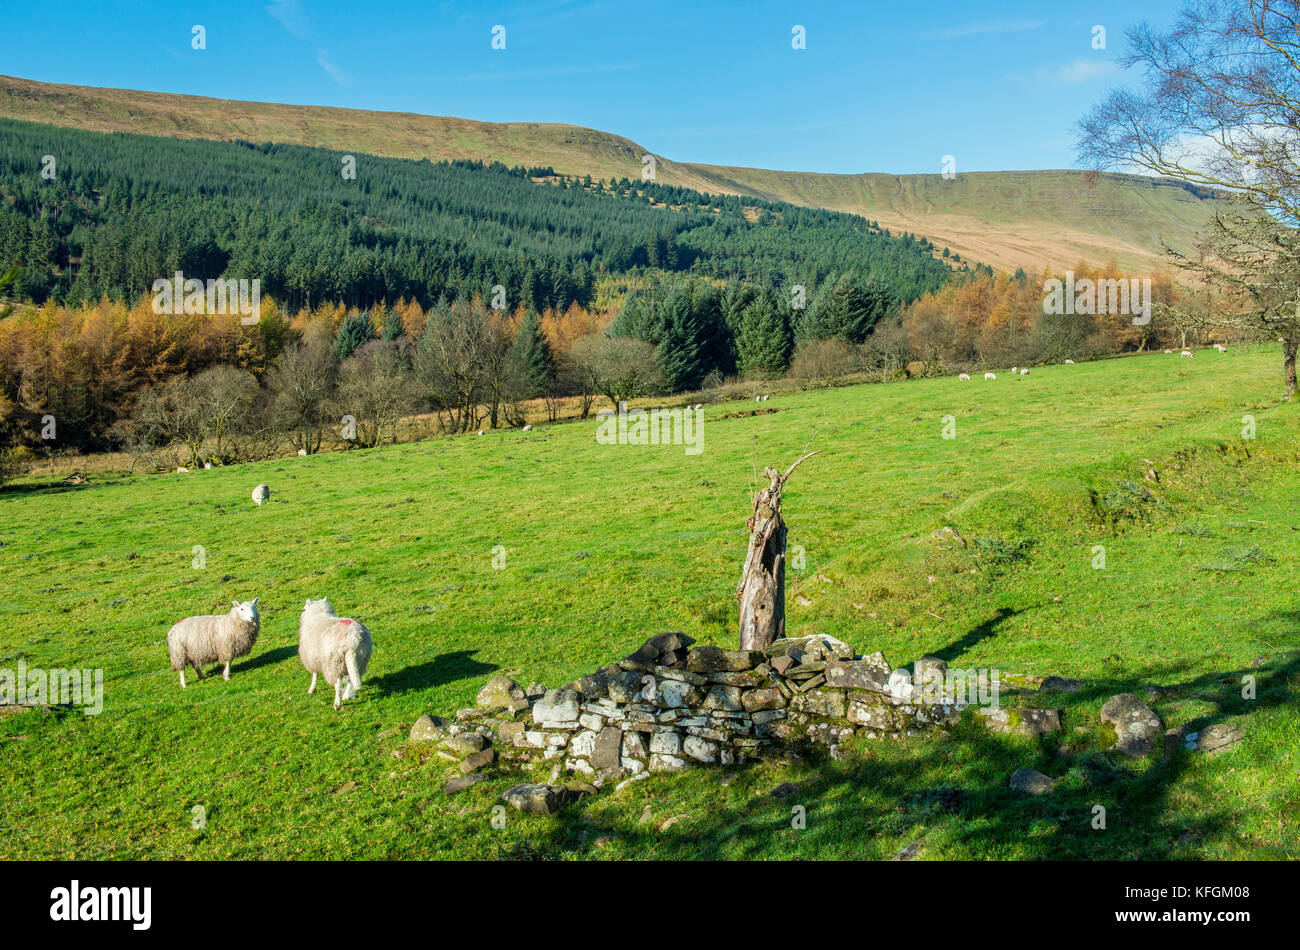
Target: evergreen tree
pixel 764 337
pixel 847 309
pixel 355 332
pixel 393 329
pixel 531 358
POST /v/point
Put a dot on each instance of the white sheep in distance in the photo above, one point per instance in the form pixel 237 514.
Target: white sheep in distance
pixel 1069 362
pixel 1220 347
pixel 990 376
pixel 1186 354
pixel 964 377
pixel 260 494
pixel 1024 372
pixel 214 638
pixel 337 648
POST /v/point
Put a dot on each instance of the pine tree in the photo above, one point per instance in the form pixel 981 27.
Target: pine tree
pixel 764 337
pixel 355 332
pixel 531 359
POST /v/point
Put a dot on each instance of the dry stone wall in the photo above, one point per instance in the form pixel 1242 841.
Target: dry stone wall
pixel 670 704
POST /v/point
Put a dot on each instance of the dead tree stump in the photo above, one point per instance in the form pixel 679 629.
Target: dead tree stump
pixel 761 591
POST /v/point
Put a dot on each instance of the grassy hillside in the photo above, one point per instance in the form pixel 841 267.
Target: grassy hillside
pixel 608 544
pixel 1006 219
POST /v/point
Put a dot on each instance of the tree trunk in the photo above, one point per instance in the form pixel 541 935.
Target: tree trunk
pixel 761 591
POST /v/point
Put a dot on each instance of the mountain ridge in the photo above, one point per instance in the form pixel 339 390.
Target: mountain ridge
pixel 1048 219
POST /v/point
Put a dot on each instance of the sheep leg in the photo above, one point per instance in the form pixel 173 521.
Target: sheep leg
pixel 182 677
pixel 337 687
pixel 225 674
pixel 198 670
pixel 312 688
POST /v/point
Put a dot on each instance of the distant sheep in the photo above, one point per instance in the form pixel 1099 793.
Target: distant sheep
pixel 215 638
pixel 990 376
pixel 1220 347
pixel 964 377
pixel 1024 372
pixel 1168 351
pixel 337 648
pixel 1014 370
pixel 1069 362
pixel 302 452
pixel 1186 354
pixel 260 494
pixel 528 428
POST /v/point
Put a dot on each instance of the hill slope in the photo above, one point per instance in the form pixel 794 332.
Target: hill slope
pixel 1006 219
pixel 652 539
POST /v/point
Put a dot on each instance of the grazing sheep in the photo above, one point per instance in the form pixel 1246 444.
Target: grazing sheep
pixel 964 377
pixel 1220 347
pixel 336 647
pixel 182 470
pixel 1186 354
pixel 480 431
pixel 1168 351
pixel 1014 370
pixel 1069 362
pixel 302 452
pixel 990 376
pixel 1024 372
pixel 528 428
pixel 260 494
pixel 216 638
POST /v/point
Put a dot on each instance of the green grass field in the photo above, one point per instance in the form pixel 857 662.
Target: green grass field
pixel 606 545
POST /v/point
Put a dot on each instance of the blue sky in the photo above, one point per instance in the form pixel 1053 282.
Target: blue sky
pixel 888 87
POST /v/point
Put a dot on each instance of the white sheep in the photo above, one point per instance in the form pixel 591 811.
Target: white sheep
pixel 1069 362
pixel 1024 372
pixel 528 428
pixel 964 377
pixel 1186 354
pixel 1014 370
pixel 1168 351
pixel 990 376
pixel 337 648
pixel 1220 347
pixel 302 452
pixel 215 638
pixel 260 494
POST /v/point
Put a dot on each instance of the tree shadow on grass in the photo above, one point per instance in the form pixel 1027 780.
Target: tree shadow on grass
pixel 947 796
pixel 973 636
pixel 441 669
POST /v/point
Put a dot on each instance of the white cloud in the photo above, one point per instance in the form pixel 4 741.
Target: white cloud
pixel 298 25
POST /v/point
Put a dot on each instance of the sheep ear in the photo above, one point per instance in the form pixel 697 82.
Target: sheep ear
pixel 235 602
pixel 255 600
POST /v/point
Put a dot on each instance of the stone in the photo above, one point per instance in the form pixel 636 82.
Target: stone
pixel 1060 684
pixel 699 749
pixel 463 745
pixel 1031 782
pixel 605 752
pixel 1137 726
pixel 930 670
pixel 501 691
pixel 534 799
pixel 756 700
pixel 478 760
pixel 880 718
pixel 593 722
pixel 666 763
pixel 634 745
pixel 674 693
pixel 667 742
pixel 462 782
pixel 784 791
pixel 428 728
pixel 717 660
pixel 1020 720
pixel 557 706
pixel 593 686
pixel 723 697
pixel 1220 737
pixel 858 674
pixel 827 703
pixel 768 715
pixel 811 649
pixel 583 744
pixel 782 663
pixel 745 680
pixel 624 687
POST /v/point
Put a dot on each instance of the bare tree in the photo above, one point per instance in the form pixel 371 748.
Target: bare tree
pixel 617 368
pixel 377 389
pixel 1221 108
pixel 301 384
pixel 452 363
